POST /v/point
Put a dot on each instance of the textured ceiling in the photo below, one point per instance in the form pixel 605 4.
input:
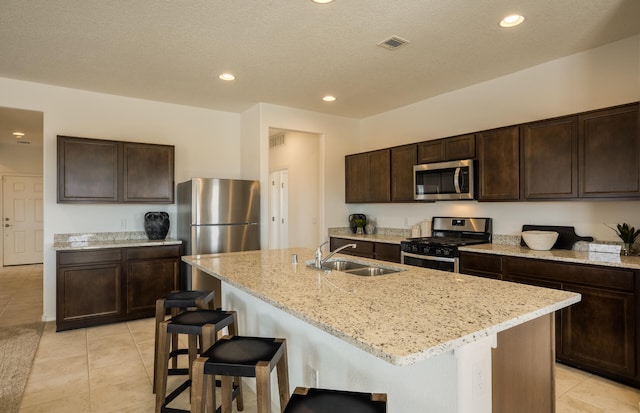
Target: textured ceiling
pixel 292 52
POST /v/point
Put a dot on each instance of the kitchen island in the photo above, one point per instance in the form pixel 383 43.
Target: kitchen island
pixel 422 336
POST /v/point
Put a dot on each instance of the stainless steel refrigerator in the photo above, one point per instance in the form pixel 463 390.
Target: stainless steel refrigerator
pixel 216 215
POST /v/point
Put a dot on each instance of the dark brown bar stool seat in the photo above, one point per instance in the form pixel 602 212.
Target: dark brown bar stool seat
pixel 197 324
pixel 177 302
pixel 311 400
pixel 245 357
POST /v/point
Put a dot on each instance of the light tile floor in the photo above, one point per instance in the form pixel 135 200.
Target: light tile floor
pixel 109 368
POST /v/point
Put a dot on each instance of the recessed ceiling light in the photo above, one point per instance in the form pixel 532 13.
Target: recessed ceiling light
pixel 18 135
pixel 227 76
pixel 511 20
pixel 329 98
pixel 322 1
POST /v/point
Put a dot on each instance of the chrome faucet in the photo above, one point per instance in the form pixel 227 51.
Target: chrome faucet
pixel 319 260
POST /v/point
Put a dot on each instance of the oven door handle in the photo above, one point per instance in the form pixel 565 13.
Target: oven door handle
pixel 427 257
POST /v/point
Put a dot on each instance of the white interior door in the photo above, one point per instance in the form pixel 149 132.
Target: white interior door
pixel 23 220
pixel 278 209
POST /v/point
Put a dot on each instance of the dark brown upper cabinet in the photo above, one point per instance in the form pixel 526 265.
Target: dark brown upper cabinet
pixel 148 173
pixel 403 158
pixel 499 165
pixel 368 177
pixel 549 159
pixel 447 149
pixel 104 171
pixel 609 153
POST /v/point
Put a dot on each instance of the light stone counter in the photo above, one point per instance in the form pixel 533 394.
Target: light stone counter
pixel 388 239
pixel 87 241
pixel 401 318
pixel 580 257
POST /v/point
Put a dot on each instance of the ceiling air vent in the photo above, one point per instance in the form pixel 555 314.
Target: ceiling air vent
pixel 393 42
pixel 276 140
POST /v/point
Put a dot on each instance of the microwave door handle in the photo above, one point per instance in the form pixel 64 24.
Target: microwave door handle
pixel 456 180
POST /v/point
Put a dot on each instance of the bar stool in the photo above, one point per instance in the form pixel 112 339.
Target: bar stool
pixel 311 400
pixel 197 324
pixel 240 356
pixel 177 302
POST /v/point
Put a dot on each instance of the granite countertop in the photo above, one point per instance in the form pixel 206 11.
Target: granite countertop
pixel 580 257
pixel 401 318
pixel 88 241
pixel 389 239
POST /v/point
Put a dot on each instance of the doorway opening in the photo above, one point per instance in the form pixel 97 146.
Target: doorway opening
pixel 294 197
pixel 21 169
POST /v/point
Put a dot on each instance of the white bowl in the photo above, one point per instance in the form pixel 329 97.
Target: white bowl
pixel 540 240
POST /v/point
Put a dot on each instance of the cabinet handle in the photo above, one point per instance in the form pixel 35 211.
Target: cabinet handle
pixel 456 180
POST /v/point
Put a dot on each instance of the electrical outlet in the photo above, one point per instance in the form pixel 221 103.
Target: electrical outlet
pixel 313 377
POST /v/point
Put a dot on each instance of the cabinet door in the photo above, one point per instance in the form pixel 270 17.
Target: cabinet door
pixel 387 252
pixel 148 280
pixel 88 170
pixel 482 265
pixel 549 159
pixel 380 172
pixel 402 161
pixel 599 331
pixel 88 292
pixel 498 155
pixel 460 147
pixel 431 151
pixel 610 153
pixel 148 175
pixel 357 178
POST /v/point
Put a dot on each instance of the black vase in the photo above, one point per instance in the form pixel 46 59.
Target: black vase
pixel 156 225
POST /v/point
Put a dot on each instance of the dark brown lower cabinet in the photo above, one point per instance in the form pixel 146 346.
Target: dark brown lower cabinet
pixel 367 249
pixel 598 334
pixel 109 285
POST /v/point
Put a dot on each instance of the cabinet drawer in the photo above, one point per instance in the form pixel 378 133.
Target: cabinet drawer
pixel 363 248
pixel 571 273
pixel 483 265
pixel 146 253
pixel 89 256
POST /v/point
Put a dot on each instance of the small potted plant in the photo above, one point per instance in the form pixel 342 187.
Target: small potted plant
pixel 359 225
pixel 628 235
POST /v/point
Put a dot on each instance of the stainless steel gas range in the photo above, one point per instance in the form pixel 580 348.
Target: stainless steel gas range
pixel 440 250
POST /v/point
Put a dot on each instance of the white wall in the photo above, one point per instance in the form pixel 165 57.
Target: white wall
pixel 601 77
pixel 208 143
pixel 338 137
pixel 300 156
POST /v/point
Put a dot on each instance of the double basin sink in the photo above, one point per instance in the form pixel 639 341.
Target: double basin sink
pixel 356 268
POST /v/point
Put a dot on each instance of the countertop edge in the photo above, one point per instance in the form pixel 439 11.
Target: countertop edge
pixel 90 245
pixel 569 256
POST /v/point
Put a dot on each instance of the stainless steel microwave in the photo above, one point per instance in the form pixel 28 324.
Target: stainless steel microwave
pixel 440 181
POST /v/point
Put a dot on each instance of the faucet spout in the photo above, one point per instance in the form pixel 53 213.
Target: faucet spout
pixel 331 254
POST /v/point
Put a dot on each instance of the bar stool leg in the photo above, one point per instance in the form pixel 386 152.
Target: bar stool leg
pixel 263 386
pixel 160 312
pixel 161 366
pixel 199 386
pixel 283 376
pixel 174 341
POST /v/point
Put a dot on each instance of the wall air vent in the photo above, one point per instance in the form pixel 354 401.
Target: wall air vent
pixel 24 142
pixel 276 140
pixel 393 42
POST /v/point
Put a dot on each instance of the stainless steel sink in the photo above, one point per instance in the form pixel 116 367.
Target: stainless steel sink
pixel 371 271
pixel 342 265
pixel 356 268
